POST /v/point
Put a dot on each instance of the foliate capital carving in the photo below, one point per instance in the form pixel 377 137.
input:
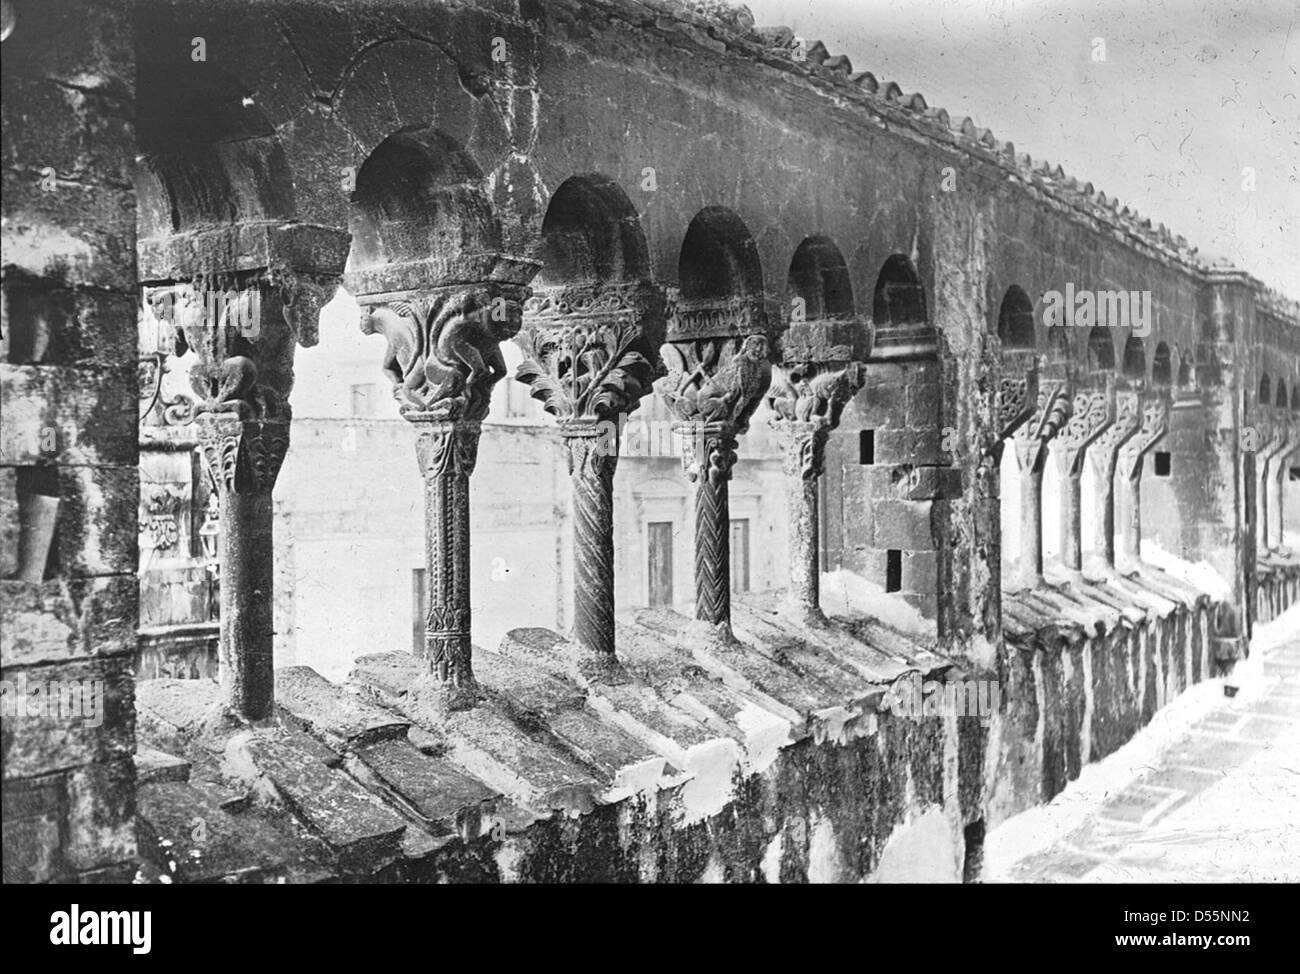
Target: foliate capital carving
pixel 1128 421
pixel 445 448
pixel 717 380
pixel 242 456
pixel 443 353
pixel 1154 422
pixel 708 451
pixel 591 353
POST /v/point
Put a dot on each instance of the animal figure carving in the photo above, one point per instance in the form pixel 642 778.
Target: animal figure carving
pixel 404 355
pixel 448 357
pixel 731 393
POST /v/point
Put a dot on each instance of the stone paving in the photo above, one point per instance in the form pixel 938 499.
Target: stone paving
pixel 1220 803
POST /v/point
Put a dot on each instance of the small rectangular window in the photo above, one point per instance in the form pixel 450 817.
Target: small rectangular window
pixel 893 570
pixel 1163 459
pixel 866 447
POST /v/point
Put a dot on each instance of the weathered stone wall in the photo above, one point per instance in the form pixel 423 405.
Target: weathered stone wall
pixel 264 135
pixel 69 390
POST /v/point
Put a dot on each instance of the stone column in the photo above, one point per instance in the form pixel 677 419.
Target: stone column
pixel 1010 407
pixel 1092 414
pixel 243 459
pixel 589 355
pixel 1031 446
pixel 718 371
pixel 1104 457
pixel 243 324
pixel 447 451
pixel 1154 423
pixel 1272 437
pixel 1277 477
pixel 443 358
pixel 821 372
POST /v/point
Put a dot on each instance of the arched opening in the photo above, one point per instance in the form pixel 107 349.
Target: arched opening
pixel 1280 399
pixel 899 299
pixel 209 159
pixel 591 234
pixel 1016 319
pixel 1101 350
pixel 1265 391
pixel 719 258
pixel 210 156
pixel 819 276
pixel 1162 367
pixel 1135 359
pixel 419 195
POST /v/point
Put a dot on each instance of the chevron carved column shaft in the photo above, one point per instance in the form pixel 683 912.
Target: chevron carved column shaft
pixel 712 449
pixel 718 370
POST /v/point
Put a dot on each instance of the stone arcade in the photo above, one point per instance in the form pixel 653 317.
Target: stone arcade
pixel 791 253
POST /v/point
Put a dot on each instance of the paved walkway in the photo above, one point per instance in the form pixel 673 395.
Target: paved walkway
pixel 1210 794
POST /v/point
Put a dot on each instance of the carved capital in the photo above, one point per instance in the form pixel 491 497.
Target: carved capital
pixel 243 346
pixel 716 381
pixel 445 448
pixel 1091 414
pixel 1128 421
pixel 443 353
pixel 302 296
pixel 708 451
pixel 1052 412
pixel 242 456
pixel 590 353
pixel 1153 424
pixel 815 392
pixel 803 447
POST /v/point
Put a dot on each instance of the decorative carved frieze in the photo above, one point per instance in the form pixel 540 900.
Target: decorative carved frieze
pixel 693 320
